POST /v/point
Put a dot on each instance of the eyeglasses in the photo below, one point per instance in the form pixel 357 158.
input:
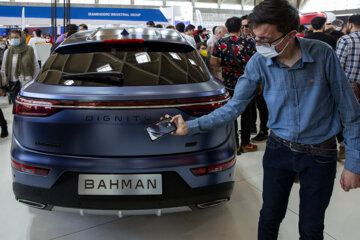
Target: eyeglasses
pixel 268 44
pixel 245 26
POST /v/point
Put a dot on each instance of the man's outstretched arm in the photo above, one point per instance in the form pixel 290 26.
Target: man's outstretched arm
pixel 244 92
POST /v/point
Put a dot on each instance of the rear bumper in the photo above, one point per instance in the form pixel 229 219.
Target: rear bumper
pixel 176 193
pixel 123 213
pixel 179 163
pixel 59 189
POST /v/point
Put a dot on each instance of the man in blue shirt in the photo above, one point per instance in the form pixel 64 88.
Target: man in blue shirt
pixel 305 89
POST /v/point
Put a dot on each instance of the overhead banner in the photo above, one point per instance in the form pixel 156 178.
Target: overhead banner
pixel 111 14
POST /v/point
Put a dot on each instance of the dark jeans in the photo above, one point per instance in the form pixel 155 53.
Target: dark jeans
pixel 340 137
pixel 317 175
pixel 263 113
pixel 13 91
pixel 13 96
pixel 2 119
pixel 260 104
pixel 246 117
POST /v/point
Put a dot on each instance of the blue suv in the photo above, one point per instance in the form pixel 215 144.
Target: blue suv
pixel 79 142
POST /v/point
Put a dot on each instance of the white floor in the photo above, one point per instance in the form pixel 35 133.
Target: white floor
pixel 236 219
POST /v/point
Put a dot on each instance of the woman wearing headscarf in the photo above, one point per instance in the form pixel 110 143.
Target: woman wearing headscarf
pixel 49 39
pixel 19 64
pixel 3 123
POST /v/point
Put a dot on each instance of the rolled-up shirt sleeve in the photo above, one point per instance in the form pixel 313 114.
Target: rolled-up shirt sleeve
pixel 349 110
pixel 244 92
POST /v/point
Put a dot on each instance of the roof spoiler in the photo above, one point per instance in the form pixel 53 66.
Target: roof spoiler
pixel 123 45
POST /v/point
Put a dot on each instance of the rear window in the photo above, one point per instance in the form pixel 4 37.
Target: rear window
pixel 138 68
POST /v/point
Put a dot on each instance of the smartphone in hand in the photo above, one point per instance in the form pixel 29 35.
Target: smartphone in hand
pixel 160 129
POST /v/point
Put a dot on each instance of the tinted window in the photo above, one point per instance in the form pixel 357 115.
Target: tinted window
pixel 139 68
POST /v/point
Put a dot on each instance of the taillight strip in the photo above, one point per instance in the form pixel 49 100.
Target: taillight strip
pixel 30 169
pixel 200 171
pixel 122 107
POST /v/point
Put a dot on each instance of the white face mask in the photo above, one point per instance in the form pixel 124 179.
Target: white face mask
pixel 338 28
pixel 2 46
pixel 270 52
pixel 15 42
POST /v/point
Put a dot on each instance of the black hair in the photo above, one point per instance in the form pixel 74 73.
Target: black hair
pixel 15 31
pixel 84 26
pixel 189 27
pixel 199 44
pixel 337 22
pixel 26 30
pixel 245 17
pixel 71 29
pixel 159 26
pixel 329 31
pixel 276 12
pixel 302 28
pixel 213 29
pixel 318 22
pixel 233 24
pixel 355 19
pixel 38 33
pixel 180 27
pixel 151 23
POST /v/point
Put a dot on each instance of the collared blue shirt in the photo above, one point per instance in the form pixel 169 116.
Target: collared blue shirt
pixel 305 101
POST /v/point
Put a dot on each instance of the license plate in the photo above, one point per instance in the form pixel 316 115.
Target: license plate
pixel 120 184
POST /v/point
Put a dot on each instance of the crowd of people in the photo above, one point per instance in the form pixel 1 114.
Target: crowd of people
pixel 296 76
pixel 19 60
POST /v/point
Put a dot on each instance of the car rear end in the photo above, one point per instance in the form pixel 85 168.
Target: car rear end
pixel 79 144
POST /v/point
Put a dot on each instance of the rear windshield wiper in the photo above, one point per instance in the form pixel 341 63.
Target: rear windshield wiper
pixel 113 78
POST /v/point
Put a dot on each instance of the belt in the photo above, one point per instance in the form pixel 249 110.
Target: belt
pixel 324 149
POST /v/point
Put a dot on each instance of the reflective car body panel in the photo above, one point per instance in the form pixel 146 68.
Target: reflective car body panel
pixel 96 124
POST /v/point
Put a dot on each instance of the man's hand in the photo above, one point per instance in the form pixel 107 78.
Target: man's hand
pixel 181 127
pixel 2 92
pixel 349 180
